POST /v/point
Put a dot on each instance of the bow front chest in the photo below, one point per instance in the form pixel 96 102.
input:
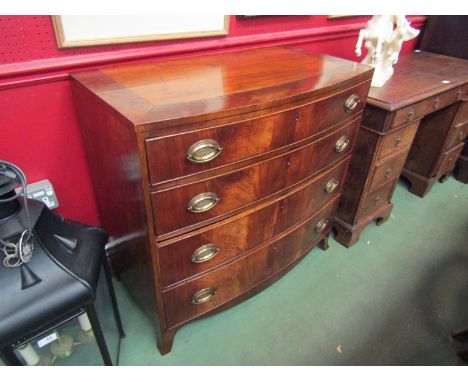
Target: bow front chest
pixel 215 174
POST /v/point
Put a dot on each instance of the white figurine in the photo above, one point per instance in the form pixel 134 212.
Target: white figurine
pixel 383 44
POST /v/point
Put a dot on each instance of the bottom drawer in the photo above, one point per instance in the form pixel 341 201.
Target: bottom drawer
pixel 218 287
pixel 447 160
pixel 376 199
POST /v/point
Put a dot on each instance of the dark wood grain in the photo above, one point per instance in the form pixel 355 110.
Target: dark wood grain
pixel 278 114
pixel 244 187
pixel 418 115
pixel 245 273
pixel 250 138
pixel 243 232
pixel 164 93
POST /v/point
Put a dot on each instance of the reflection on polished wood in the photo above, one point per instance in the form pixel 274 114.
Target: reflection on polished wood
pixel 231 164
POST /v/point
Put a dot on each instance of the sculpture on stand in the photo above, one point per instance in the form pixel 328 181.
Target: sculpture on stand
pixel 384 36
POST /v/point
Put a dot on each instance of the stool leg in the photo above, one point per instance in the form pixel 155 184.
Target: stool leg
pixel 115 307
pixel 10 358
pixel 101 342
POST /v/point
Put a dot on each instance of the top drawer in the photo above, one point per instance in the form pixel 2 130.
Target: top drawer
pixel 427 106
pixel 184 154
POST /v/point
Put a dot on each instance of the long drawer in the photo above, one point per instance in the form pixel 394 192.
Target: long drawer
pixel 207 149
pixel 218 287
pixel 427 106
pixel 200 251
pixel 201 203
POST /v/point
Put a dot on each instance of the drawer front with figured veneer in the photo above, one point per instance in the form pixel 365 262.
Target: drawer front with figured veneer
pixel 207 149
pixel 201 251
pixel 212 290
pixel 202 202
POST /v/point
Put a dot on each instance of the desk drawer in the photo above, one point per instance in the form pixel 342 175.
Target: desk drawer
pixel 397 140
pixel 229 192
pixel 457 135
pixel 174 156
pixel 376 199
pixel 448 160
pixel 218 287
pixel 427 106
pixel 387 170
pixel 199 252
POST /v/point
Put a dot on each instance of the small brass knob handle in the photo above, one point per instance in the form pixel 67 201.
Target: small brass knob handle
pixel 411 115
pixel 398 141
pixel 204 253
pixel 459 93
pixel 203 151
pixel 203 296
pixel 436 103
pixel 331 185
pixel 203 202
pixel 388 172
pixel 321 225
pixel 351 102
pixel 341 144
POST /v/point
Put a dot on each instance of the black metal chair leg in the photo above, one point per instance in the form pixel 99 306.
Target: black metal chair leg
pixel 10 358
pixel 115 307
pixel 101 342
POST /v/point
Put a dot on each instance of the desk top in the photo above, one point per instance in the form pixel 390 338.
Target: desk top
pixel 217 85
pixel 417 76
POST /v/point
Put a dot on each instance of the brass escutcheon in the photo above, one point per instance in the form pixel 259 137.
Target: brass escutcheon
pixel 436 103
pixel 203 295
pixel 204 253
pixel 351 102
pixel 203 151
pixel 341 144
pixel 411 115
pixel 331 185
pixel 388 172
pixel 459 93
pixel 398 141
pixel 203 202
pixel 321 225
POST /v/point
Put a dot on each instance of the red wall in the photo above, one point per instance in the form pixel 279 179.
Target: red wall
pixel 38 125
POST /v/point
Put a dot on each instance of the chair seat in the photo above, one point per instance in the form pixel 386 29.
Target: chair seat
pixel 60 278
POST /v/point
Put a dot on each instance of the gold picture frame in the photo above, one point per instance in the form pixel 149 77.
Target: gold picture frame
pixel 64 42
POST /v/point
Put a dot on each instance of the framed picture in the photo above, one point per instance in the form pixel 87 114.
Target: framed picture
pixel 77 31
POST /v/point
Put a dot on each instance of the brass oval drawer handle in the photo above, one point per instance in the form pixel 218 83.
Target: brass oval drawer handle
pixel 203 295
pixel 341 144
pixel 436 103
pixel 331 185
pixel 411 115
pixel 203 202
pixel 351 102
pixel 204 253
pixel 203 151
pixel 388 172
pixel 398 141
pixel 321 225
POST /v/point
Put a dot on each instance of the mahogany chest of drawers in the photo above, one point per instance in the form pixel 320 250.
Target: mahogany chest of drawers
pixel 415 125
pixel 214 175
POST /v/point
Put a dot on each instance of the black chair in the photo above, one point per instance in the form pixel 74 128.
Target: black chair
pixel 58 284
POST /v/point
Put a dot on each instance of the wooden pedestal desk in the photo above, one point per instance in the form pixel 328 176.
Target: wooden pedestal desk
pixel 214 175
pixel 415 123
